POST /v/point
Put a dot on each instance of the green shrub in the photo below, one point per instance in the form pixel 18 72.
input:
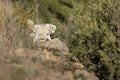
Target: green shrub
pixel 93 38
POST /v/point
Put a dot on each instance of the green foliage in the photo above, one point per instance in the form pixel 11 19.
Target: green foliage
pixel 93 37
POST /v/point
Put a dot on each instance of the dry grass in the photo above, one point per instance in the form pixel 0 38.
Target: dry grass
pixel 12 33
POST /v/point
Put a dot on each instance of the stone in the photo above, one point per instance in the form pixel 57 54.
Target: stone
pixel 54 44
pixel 69 74
pixel 85 75
pixel 20 52
pixel 78 65
pixel 77 73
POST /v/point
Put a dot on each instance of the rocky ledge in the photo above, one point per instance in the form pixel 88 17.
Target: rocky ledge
pixel 51 61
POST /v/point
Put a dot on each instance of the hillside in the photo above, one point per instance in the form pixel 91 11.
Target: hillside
pixel 89 28
pixel 48 63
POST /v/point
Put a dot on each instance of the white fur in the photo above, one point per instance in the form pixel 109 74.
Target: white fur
pixel 42 31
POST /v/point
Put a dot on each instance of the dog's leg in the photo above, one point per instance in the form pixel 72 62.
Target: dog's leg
pixel 48 37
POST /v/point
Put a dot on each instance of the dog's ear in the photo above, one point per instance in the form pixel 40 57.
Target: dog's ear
pixel 53 28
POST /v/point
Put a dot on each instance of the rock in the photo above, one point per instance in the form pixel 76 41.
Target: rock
pixel 84 74
pixel 79 78
pixel 46 55
pixel 12 72
pixel 78 66
pixel 77 73
pixel 20 52
pixel 44 64
pixel 68 75
pixel 55 44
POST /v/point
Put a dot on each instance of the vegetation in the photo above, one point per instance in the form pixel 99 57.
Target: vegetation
pixel 91 29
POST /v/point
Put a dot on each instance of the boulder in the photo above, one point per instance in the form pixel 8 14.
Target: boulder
pixel 78 65
pixel 84 75
pixel 41 64
pixel 54 44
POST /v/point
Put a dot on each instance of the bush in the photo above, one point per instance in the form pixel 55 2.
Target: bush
pixel 93 38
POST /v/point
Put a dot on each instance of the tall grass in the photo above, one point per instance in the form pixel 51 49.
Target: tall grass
pixel 13 32
pixel 5 18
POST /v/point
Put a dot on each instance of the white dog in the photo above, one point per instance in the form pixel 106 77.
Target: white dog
pixel 41 31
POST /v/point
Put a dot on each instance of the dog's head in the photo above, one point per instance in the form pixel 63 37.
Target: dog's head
pixel 52 28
